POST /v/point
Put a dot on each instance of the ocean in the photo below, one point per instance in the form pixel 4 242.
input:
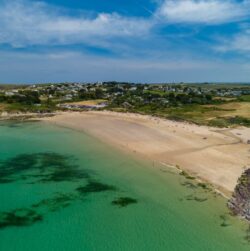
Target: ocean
pixel 64 190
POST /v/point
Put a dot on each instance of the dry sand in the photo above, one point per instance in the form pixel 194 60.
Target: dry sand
pixel 217 156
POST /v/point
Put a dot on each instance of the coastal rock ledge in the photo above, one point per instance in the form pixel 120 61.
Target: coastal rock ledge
pixel 239 204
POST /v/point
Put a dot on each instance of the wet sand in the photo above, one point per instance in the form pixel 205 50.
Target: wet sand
pixel 217 156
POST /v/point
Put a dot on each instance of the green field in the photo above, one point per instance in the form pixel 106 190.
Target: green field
pixel 220 115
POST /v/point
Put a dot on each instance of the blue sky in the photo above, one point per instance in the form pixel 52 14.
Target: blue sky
pixel 124 40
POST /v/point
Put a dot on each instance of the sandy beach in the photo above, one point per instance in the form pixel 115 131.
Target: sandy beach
pixel 217 156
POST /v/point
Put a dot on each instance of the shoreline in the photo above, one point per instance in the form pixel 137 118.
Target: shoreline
pixel 156 164
pixel 102 176
pixel 5 116
pixel 214 156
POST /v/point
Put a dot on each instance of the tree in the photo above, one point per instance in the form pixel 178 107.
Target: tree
pixel 99 93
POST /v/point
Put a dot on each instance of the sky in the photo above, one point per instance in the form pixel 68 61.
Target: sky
pixel 124 40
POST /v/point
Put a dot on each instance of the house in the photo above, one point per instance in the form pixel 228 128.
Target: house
pixel 9 94
pixel 68 97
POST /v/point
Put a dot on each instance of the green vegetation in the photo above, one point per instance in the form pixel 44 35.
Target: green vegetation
pixel 244 98
pixel 220 105
pixel 229 121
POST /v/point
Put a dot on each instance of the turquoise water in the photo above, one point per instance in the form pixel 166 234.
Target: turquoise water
pixel 63 190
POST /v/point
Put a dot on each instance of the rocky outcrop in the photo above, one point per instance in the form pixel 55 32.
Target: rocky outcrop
pixel 240 201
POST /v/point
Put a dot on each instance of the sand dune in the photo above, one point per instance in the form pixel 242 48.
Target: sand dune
pixel 216 155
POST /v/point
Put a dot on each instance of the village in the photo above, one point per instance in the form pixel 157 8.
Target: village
pixel 212 104
pixel 71 92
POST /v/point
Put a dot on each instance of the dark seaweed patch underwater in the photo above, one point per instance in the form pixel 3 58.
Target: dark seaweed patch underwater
pixel 19 218
pixel 124 201
pixel 44 168
pixel 95 187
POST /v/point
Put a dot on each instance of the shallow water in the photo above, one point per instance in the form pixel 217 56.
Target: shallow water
pixel 64 190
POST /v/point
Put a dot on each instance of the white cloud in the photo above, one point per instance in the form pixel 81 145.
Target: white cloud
pixel 239 42
pixel 204 11
pixel 25 23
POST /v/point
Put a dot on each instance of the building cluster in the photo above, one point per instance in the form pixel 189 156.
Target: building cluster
pixel 67 92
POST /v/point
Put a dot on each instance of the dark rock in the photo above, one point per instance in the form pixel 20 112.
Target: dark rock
pixel 240 201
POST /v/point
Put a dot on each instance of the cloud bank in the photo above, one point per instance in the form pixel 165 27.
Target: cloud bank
pixel 179 41
pixel 204 11
pixel 25 23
